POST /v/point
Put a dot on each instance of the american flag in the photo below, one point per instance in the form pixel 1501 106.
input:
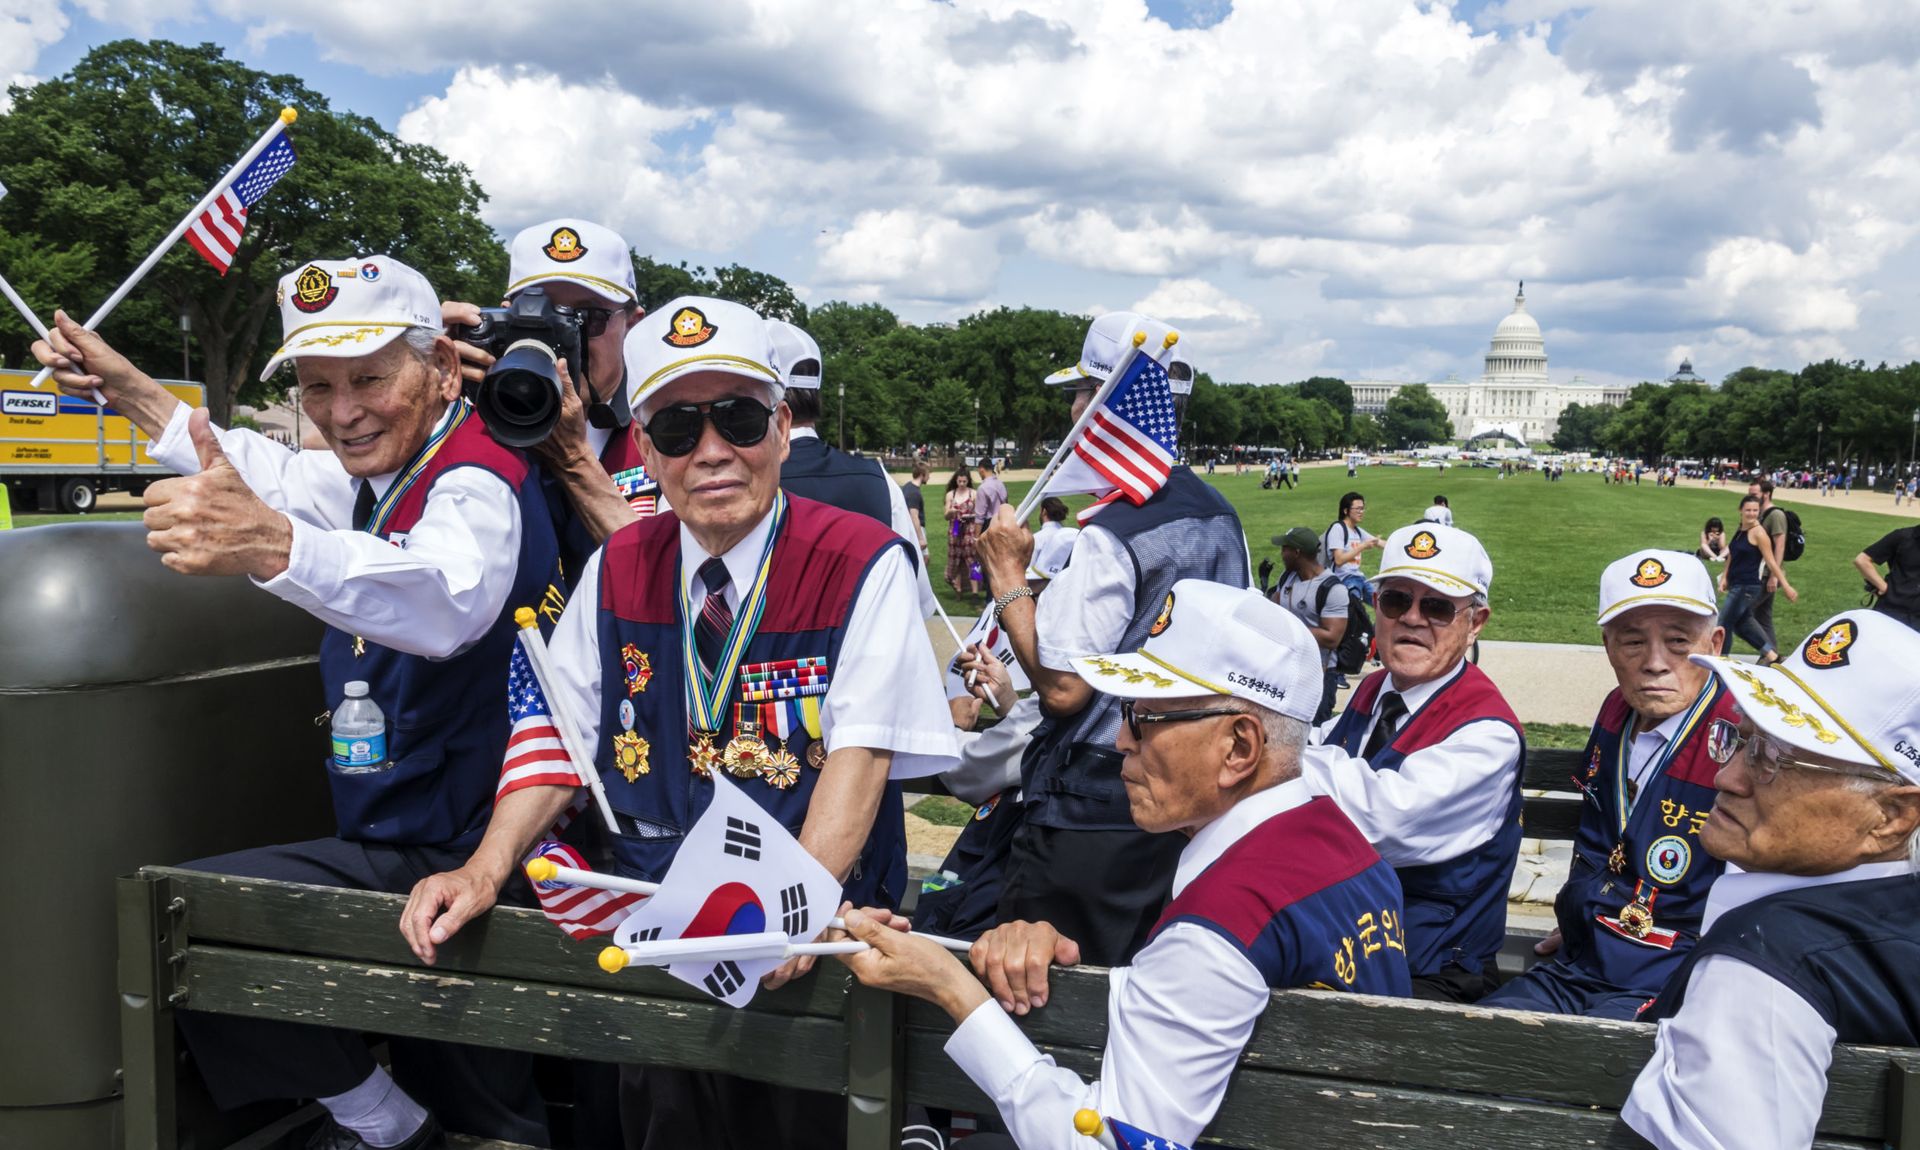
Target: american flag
pixel 580 911
pixel 535 755
pixel 216 234
pixel 1127 1137
pixel 1130 444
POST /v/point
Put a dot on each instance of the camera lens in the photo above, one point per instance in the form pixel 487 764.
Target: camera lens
pixel 520 398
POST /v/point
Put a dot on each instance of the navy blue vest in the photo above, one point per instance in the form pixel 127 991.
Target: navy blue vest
pixel 1850 949
pixel 820 473
pixel 446 718
pixel 1457 908
pixel 1662 866
pixel 1071 771
pixel 819 564
pixel 1305 897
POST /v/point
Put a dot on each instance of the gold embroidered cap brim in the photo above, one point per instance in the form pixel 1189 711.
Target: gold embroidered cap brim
pixel 1780 705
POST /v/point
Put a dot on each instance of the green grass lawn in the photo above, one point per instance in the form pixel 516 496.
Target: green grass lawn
pixel 1549 541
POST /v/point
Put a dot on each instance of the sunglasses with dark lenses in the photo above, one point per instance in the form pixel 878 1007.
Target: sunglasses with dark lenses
pixel 593 320
pixel 1133 718
pixel 676 430
pixel 1436 609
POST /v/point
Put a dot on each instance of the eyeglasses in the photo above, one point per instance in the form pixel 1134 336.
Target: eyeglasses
pixel 1436 609
pixel 594 320
pixel 1133 718
pixel 676 430
pixel 1766 756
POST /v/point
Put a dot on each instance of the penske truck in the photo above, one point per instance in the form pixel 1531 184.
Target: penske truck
pixel 58 453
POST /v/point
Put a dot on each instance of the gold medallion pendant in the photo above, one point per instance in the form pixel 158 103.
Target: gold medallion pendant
pixel 703 757
pixel 746 757
pixel 1637 919
pixel 630 755
pixel 782 770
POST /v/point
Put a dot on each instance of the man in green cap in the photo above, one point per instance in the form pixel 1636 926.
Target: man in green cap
pixel 1317 599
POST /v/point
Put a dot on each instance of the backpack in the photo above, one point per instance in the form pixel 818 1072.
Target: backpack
pixel 1795 539
pixel 1350 656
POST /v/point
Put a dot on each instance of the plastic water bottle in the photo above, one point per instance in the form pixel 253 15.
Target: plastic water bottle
pixel 359 734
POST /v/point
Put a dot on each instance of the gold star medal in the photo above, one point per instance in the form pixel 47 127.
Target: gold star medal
pixel 630 755
pixel 782 770
pixel 703 756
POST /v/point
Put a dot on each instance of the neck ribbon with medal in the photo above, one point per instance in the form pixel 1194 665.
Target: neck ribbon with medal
pixel 1636 918
pixel 771 708
pixel 409 475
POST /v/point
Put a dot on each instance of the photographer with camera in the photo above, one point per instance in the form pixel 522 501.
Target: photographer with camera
pixel 547 373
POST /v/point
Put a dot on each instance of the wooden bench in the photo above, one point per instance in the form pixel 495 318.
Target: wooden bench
pixel 1321 1068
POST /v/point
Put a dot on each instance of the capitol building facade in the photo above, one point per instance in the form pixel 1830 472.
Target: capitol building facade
pixel 1513 396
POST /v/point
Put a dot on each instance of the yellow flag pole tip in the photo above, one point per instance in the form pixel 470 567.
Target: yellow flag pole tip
pixel 289 115
pixel 1173 337
pixel 523 617
pixel 1139 337
pixel 613 960
pixel 1087 1123
pixel 542 869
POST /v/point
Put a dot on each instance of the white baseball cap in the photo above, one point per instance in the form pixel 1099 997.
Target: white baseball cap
pixel 338 309
pixel 575 251
pixel 696 334
pixel 1180 370
pixel 1654 578
pixel 1847 692
pixel 1108 338
pixel 793 348
pixel 1446 559
pixel 1212 639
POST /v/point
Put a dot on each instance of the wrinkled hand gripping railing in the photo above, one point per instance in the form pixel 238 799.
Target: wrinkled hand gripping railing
pixel 1322 1069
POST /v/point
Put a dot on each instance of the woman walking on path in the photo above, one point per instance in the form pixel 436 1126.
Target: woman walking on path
pixel 962 532
pixel 1750 559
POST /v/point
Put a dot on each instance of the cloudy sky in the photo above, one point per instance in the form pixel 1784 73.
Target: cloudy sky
pixel 1345 187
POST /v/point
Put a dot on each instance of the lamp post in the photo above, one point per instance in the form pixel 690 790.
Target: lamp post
pixel 1913 437
pixel 843 415
pixel 976 419
pixel 186 326
pixel 1819 433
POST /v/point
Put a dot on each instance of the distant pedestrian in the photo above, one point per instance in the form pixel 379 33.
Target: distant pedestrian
pixel 1318 599
pixel 1750 560
pixel 1899 589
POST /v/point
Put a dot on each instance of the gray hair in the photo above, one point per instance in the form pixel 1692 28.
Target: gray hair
pixel 1477 600
pixel 421 341
pixel 1286 735
pixel 1871 785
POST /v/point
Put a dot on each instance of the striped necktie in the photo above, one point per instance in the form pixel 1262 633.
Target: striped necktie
pixel 716 618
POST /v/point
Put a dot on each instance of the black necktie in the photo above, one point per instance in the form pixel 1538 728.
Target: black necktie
pixel 1393 708
pixel 363 506
pixel 716 618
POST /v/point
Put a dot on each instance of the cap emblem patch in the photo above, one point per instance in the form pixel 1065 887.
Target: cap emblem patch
pixel 1652 573
pixel 564 247
pixel 1423 546
pixel 313 289
pixel 1828 649
pixel 1165 618
pixel 689 328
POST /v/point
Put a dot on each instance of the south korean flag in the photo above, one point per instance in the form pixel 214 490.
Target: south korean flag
pixel 987 633
pixel 739 874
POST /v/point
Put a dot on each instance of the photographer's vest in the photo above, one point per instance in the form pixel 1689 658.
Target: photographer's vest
pixel 1309 902
pixel 1456 909
pixel 1850 949
pixel 820 560
pixel 815 471
pixel 1631 908
pixel 1071 771
pixel 446 718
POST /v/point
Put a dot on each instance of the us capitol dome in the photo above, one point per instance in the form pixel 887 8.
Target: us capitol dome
pixel 1513 396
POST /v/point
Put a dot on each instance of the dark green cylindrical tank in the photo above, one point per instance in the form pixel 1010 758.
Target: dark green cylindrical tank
pixel 145 717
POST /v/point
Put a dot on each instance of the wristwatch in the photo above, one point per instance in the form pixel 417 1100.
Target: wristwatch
pixel 1006 597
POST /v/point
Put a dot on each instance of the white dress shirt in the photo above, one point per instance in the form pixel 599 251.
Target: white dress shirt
pixel 901 520
pixel 1743 1065
pixel 435 594
pixel 1087 606
pixel 1645 750
pixel 1177 1021
pixel 1442 802
pixel 885 692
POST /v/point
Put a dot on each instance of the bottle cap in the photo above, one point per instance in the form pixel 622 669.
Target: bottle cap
pixel 357 689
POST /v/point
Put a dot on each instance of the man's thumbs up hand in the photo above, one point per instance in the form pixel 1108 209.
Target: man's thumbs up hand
pixel 212 523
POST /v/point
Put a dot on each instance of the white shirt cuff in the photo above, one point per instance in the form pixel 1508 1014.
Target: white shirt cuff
pixel 992 1050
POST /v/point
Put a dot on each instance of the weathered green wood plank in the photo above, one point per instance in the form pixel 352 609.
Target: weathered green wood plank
pixel 810 1053
pixel 1551 769
pixel 1549 817
pixel 144 980
pixel 509 942
pixel 1543 1057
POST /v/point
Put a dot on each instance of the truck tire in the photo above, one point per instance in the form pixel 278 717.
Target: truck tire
pixel 77 496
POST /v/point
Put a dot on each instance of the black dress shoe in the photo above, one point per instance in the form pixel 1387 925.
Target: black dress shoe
pixel 333 1136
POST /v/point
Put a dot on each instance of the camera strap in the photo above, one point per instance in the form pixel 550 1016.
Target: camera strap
pixel 614 414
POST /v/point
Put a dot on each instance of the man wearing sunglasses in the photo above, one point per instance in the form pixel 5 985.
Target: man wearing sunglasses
pixel 768 636
pixel 1273 887
pixel 1630 911
pixel 1813 933
pixel 587 267
pixel 1426 760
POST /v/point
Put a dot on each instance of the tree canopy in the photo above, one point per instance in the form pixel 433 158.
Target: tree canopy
pixel 1414 417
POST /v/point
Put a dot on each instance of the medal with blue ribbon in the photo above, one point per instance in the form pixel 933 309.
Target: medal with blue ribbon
pixel 707 697
pixel 1623 778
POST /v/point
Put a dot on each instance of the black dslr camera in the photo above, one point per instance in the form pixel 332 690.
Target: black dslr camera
pixel 519 400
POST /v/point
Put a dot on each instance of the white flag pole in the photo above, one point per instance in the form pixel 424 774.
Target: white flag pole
pixel 286 117
pixel 20 305
pixel 559 706
pixel 1039 489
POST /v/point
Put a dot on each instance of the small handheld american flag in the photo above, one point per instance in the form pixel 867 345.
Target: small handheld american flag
pixel 536 757
pixel 216 233
pixel 1130 444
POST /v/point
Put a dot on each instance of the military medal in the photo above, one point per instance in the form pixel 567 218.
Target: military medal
pixel 359 646
pixel 630 755
pixel 1617 861
pixel 702 756
pixel 1636 918
pixel 817 754
pixel 746 757
pixel 782 770
pixel 707 688
pixel 636 668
